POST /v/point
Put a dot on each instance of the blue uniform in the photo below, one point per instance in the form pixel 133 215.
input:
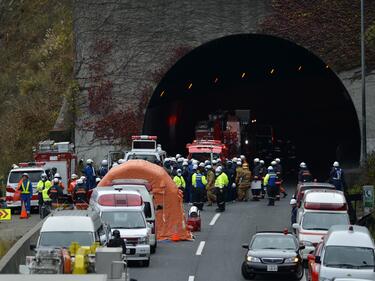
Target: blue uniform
pixel 26 189
pixel 103 171
pixel 90 174
pixel 336 178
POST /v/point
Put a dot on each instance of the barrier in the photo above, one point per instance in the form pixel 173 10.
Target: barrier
pixel 16 255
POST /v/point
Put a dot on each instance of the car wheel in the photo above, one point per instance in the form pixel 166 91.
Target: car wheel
pixel 153 247
pixel 299 273
pixel 146 263
pixel 245 273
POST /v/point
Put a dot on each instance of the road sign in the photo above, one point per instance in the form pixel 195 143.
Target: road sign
pixel 5 214
pixel 368 198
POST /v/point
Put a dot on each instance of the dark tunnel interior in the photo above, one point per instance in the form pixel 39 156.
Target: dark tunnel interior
pixel 282 84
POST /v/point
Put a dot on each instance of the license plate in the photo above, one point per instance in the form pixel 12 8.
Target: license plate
pixel 272 268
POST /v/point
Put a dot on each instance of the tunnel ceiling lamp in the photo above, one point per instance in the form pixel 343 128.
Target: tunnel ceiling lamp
pixel 190 86
pixel 253 121
pixel 216 80
pixel 243 74
pixel 299 68
pixel 162 93
pixel 327 66
pixel 272 71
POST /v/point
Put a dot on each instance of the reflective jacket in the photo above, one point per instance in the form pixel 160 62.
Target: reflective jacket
pixel 270 179
pixel 199 180
pixel 221 181
pixel 245 179
pixel 42 185
pixel 210 179
pixel 179 181
pixel 26 187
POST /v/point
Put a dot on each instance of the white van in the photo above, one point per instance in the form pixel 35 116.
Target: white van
pixel 63 227
pixel 34 171
pixel 144 188
pixel 320 210
pixel 146 148
pixel 348 251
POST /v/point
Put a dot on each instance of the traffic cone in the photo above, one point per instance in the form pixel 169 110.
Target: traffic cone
pixel 23 212
pixel 175 237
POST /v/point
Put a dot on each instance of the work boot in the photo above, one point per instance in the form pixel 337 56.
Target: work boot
pixel 285 194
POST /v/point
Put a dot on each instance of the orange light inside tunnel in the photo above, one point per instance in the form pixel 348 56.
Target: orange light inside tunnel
pixel 172 120
pixel 162 93
pixel 190 86
pixel 272 71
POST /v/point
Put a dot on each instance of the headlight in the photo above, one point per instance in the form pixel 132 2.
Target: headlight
pixel 306 243
pixel 252 259
pixel 291 260
pixel 143 240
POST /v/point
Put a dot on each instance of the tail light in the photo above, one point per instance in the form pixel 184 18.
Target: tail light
pixel 326 206
pixel 10 189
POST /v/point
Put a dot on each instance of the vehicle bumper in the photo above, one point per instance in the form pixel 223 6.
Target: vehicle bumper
pixel 261 268
pixel 17 204
pixel 308 250
pixel 138 253
pixel 152 239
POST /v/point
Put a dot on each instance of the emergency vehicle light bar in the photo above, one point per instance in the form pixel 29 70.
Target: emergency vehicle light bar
pixel 120 200
pixel 31 164
pixel 326 206
pixel 144 137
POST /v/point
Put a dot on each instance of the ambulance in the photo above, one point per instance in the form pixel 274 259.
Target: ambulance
pixel 145 147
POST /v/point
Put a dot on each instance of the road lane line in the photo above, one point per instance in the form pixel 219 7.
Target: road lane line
pixel 200 248
pixel 191 278
pixel 214 219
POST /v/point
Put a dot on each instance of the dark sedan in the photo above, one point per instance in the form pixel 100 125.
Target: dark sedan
pixel 273 253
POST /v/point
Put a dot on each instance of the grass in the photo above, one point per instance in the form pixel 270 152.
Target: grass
pixel 5 245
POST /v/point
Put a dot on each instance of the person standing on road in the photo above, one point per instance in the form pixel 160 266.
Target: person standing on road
pixel 220 184
pixel 262 173
pixel 270 183
pixel 103 170
pixel 179 180
pixel 256 184
pixel 210 187
pixel 117 241
pixel 44 183
pixel 293 217
pixel 336 177
pixel 72 184
pixel 244 183
pixel 199 182
pixel 56 193
pixel 238 172
pixel 90 174
pixel 304 174
pixel 80 192
pixel 26 188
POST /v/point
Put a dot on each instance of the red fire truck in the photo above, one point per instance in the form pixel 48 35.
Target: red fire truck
pixel 202 150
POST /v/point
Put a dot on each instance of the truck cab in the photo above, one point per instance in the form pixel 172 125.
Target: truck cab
pixel 202 150
pixel 146 148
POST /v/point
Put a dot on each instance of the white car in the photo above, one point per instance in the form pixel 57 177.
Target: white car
pixel 348 252
pixel 15 176
pixel 320 210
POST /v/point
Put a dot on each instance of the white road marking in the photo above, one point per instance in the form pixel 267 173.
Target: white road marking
pixel 200 248
pixel 214 219
pixel 191 278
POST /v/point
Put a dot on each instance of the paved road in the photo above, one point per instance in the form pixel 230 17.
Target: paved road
pixel 216 253
pixel 16 228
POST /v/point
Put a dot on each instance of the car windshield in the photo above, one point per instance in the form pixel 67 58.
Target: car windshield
pixel 273 242
pixel 147 157
pixel 124 219
pixel 64 239
pixel 309 187
pixel 323 221
pixel 348 257
pixel 34 176
pixel 201 157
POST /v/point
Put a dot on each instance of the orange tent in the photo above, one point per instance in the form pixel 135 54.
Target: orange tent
pixel 170 220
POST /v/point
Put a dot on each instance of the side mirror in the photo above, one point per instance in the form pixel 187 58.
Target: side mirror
pixel 245 246
pixel 302 247
pixel 32 247
pixel 295 225
pixel 310 257
pixel 159 207
pixel 317 259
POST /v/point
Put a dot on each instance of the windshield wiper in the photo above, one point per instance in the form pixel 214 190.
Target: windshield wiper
pixel 347 265
pixel 268 248
pixel 316 228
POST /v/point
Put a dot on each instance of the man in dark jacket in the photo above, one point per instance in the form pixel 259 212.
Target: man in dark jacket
pixel 117 241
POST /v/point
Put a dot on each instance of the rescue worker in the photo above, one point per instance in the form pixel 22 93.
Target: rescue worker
pixel 185 174
pixel 238 172
pixel 72 183
pixel 221 183
pixel 293 217
pixel 46 207
pixel 256 184
pixel 270 184
pixel 210 187
pixel 179 180
pixel 244 183
pixel 90 174
pixel 262 172
pixel 57 176
pixel 26 188
pixel 56 193
pixel 42 184
pixel 117 241
pixel 279 170
pixel 304 174
pixel 336 177
pixel 230 170
pixel 243 159
pixel 80 193
pixel 103 170
pixel 199 183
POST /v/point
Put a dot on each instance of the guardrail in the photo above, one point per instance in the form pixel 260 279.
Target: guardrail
pixel 17 254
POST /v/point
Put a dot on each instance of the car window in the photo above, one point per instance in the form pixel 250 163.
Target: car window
pixel 124 219
pixel 34 176
pixel 323 221
pixel 64 239
pixel 273 242
pixel 147 157
pixel 348 257
pixel 201 157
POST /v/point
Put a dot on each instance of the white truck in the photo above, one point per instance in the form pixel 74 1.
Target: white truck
pixel 146 148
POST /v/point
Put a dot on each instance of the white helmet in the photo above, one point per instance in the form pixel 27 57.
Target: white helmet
pixel 336 164
pixel 256 160
pixel 185 163
pixel 173 159
pixel 277 160
pixel 195 167
pixel 208 167
pixel 261 162
pixel 178 156
pixel 55 180
pixel 242 157
pixel 97 180
pixel 83 178
pixel 207 162
pixel 57 175
pixel 114 164
pixel 218 170
pixel 120 161
pixel 293 201
pixel 89 161
pixel 179 160
pixel 270 168
pixel 74 176
pixel 273 163
pixel 218 160
pixel 166 160
pixel 105 162
pixel 234 159
pixel 194 211
pixel 195 162
pixel 201 164
pixel 239 162
pixel 44 175
pixel 79 181
pixel 214 162
pixel 179 171
pixel 303 165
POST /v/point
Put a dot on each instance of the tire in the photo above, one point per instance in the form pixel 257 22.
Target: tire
pixel 245 273
pixel 301 270
pixel 146 263
pixel 153 248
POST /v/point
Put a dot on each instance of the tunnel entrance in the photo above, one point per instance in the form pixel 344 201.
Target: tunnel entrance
pixel 284 86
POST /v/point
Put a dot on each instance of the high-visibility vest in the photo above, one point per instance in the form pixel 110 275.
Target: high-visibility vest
pixel 42 185
pixel 45 195
pixel 179 181
pixel 221 181
pixel 199 180
pixel 25 190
